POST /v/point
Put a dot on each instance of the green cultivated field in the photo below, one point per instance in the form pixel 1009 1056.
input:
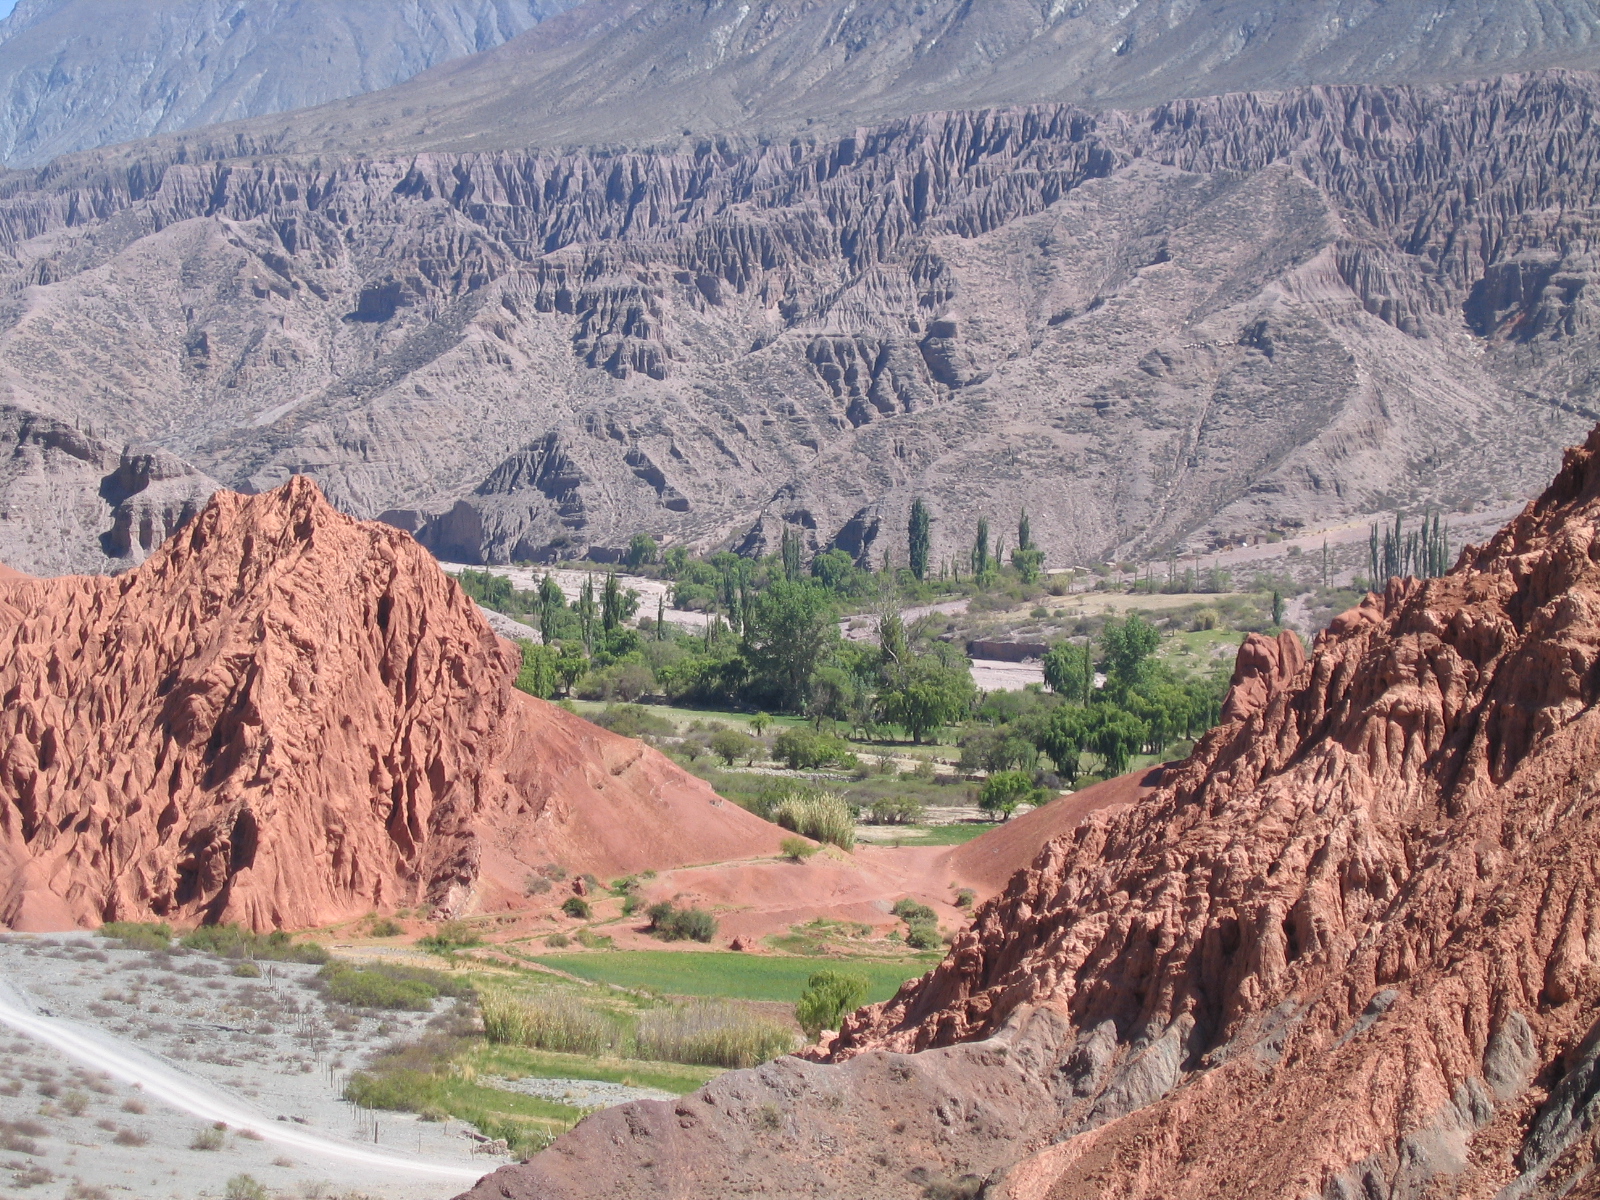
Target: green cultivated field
pixel 735 976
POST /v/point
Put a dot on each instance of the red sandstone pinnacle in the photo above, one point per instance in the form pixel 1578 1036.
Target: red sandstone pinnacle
pixel 1361 923
pixel 287 717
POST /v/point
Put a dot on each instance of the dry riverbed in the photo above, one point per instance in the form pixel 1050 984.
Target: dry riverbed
pixel 270 1048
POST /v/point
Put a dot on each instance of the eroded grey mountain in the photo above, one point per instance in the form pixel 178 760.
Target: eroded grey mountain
pixel 1155 328
pixel 81 73
pixel 652 71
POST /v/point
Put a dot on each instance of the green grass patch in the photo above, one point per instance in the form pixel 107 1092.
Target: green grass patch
pixel 945 835
pixel 527 1123
pixel 235 941
pixel 730 974
pixel 518 1062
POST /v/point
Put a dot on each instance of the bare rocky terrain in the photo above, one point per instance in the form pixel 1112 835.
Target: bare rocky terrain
pixel 75 74
pixel 1157 329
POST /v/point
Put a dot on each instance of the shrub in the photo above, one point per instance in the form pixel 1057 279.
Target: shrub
pixel 130 1137
pixel 552 1022
pixel 75 1103
pixel 383 927
pixel 681 924
pixel 451 935
pixel 246 970
pixel 576 907
pixel 710 1033
pixel 828 996
pixel 802 749
pixel 234 941
pixel 966 898
pixel 138 935
pixel 634 720
pixel 730 745
pixel 209 1138
pixel 797 849
pixel 245 1187
pixel 924 937
pixel 590 940
pixel 820 816
pixel 536 885
pixel 372 987
pixel 897 810
pixel 912 913
pixel 558 941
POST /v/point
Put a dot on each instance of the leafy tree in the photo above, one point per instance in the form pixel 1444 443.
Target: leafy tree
pixel 586 612
pixel 616 605
pixel 571 666
pixel 1002 749
pixel 790 631
pixel 802 749
pixel 730 745
pixel 539 675
pixel 1027 558
pixel 925 695
pixel 1127 646
pixel 552 601
pixel 1117 736
pixel 1069 671
pixel 920 535
pixel 982 565
pixel 791 550
pixel 1005 791
pixel 642 550
pixel 675 561
pixel 759 723
pixel 829 995
pixel 837 572
pixel 1064 736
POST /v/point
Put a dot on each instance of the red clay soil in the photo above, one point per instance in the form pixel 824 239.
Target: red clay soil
pixel 1350 948
pixel 287 718
pixel 987 863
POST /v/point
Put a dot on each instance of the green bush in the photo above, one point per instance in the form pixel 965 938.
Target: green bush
pixel 924 937
pixel 912 913
pixel 383 927
pixel 828 996
pixel 710 1033
pixel 558 941
pixel 966 898
pixel 797 849
pixel 681 924
pixel 897 810
pixel 246 970
pixel 451 935
pixel 235 941
pixel 374 988
pixel 576 907
pixel 820 816
pixel 802 749
pixel 245 1187
pixel 138 935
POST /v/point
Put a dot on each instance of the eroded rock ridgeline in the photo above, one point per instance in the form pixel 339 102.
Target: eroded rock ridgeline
pixel 1360 922
pixel 1230 312
pixel 286 717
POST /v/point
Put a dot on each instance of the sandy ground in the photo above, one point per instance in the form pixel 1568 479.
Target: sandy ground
pixel 651 591
pixel 267 1052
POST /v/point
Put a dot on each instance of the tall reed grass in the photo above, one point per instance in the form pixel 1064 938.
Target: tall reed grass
pixel 821 816
pixel 709 1033
pixel 702 1033
pixel 553 1022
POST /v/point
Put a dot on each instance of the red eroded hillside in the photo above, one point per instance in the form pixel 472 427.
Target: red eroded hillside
pixel 1351 947
pixel 287 717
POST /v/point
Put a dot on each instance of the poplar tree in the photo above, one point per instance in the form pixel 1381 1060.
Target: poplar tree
pixel 920 536
pixel 980 553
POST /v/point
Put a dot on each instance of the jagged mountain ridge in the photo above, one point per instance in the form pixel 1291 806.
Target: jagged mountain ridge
pixel 638 72
pixel 287 718
pixel 1359 922
pixel 1152 329
pixel 76 74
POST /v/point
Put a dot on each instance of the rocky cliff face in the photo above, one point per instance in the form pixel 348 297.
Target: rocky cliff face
pixel 1346 949
pixel 285 717
pixel 1156 329
pixel 75 74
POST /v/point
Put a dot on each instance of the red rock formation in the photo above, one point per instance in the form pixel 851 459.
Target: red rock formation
pixel 1350 948
pixel 286 717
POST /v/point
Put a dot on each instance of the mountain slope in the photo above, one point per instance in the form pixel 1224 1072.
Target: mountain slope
pixel 81 73
pixel 1156 330
pixel 285 717
pixel 1347 949
pixel 649 71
